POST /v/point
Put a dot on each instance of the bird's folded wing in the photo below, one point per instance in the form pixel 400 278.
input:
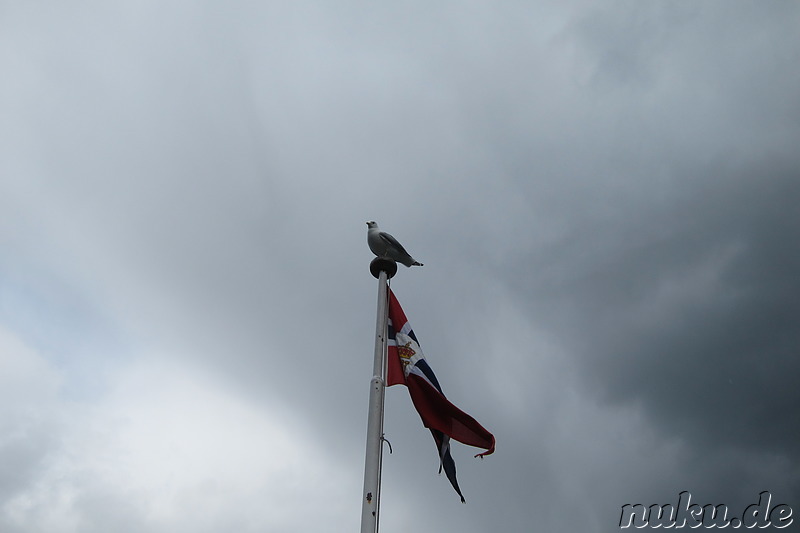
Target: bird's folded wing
pixel 391 241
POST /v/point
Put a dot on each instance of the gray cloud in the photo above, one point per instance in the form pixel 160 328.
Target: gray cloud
pixel 603 197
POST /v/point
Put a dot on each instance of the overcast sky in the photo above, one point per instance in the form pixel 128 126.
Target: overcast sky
pixel 604 194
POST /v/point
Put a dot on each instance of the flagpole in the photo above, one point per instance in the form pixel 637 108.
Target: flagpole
pixel 383 269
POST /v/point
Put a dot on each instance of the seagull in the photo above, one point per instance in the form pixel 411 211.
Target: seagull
pixel 384 245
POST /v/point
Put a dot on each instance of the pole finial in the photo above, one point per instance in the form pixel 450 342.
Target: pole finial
pixel 383 264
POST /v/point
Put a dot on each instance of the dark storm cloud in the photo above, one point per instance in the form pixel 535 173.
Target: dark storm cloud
pixel 669 271
pixel 692 313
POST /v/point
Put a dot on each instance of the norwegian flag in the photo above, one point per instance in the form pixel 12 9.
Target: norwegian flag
pixel 406 365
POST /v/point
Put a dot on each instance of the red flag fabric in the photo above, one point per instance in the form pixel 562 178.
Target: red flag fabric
pixel 406 365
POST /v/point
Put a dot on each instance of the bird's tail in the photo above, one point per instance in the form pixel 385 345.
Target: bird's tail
pixel 417 263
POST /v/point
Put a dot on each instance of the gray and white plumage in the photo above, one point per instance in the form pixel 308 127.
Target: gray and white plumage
pixel 384 245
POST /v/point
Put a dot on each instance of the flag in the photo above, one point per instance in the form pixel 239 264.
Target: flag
pixel 406 365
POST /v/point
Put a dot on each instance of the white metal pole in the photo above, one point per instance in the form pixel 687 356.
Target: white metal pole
pixel 372 465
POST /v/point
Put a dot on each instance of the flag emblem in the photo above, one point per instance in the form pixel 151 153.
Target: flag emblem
pixel 406 353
